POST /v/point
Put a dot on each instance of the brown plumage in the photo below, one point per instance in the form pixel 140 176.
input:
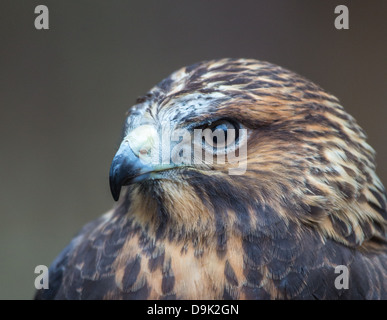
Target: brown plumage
pixel 310 199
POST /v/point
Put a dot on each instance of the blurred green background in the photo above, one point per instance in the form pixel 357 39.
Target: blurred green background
pixel 64 93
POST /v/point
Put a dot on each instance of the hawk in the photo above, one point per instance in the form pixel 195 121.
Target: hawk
pixel 309 200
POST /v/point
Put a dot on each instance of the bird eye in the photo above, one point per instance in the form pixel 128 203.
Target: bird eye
pixel 221 134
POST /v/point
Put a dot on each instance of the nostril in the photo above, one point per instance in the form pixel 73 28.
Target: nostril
pixel 143 152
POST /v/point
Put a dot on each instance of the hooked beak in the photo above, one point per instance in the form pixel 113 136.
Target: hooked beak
pixel 133 160
pixel 126 169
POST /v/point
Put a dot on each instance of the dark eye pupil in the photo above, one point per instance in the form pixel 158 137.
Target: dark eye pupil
pixel 221 127
pixel 220 135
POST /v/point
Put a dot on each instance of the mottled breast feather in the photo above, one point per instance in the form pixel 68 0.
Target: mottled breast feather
pixel 309 201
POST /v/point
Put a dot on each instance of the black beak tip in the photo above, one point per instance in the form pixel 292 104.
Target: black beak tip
pixel 115 186
pixel 125 167
pixel 115 190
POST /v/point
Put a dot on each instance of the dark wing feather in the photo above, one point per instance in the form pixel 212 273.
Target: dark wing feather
pixel 55 275
pixel 60 265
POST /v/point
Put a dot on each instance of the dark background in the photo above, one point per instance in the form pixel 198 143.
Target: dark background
pixel 64 93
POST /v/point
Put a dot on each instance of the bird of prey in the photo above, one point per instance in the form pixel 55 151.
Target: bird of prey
pixel 309 200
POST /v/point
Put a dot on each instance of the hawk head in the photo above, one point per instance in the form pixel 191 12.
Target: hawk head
pixel 235 179
pixel 283 157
